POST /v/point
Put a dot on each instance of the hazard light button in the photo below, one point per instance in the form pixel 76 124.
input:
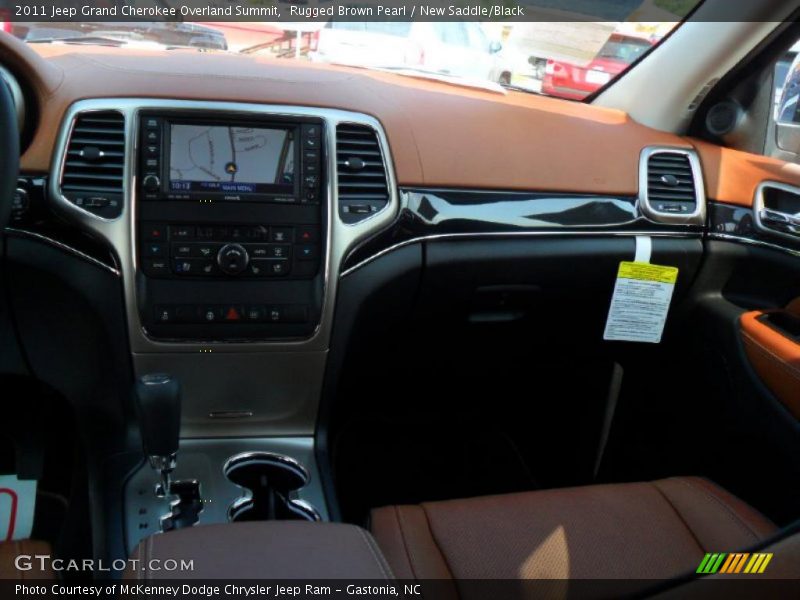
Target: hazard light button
pixel 233 313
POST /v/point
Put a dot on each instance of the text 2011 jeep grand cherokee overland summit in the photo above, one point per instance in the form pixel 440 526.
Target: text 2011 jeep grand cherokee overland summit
pixel 268 322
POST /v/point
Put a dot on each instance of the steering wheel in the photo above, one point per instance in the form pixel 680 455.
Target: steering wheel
pixel 9 155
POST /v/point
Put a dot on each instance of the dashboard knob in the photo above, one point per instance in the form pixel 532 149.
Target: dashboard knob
pixel 232 259
pixel 151 183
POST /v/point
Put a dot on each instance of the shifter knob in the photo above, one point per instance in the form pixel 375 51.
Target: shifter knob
pixel 159 399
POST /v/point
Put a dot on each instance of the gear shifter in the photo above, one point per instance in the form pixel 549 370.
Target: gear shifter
pixel 159 399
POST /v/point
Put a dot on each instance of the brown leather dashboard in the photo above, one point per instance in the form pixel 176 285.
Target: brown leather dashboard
pixel 440 135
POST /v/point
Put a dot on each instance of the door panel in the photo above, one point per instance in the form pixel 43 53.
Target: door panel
pixel 771 343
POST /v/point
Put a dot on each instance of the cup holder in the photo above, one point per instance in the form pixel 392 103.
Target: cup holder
pixel 273 481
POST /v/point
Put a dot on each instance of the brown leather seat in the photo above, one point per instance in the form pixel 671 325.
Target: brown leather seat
pixel 656 530
pixel 9 551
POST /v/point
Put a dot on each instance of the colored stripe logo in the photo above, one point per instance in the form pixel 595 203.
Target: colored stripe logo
pixel 734 563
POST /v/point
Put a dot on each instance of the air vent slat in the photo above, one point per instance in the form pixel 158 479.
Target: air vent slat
pixel 362 175
pixel 359 153
pixel 363 186
pixel 93 141
pixel 89 189
pixel 95 157
pixel 670 178
pixel 80 164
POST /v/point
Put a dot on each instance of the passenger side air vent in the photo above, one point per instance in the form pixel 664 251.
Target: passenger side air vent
pixel 670 186
pixel 92 175
pixel 361 171
pixel 777 209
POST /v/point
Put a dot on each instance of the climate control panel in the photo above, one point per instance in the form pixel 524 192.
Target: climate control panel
pixel 229 251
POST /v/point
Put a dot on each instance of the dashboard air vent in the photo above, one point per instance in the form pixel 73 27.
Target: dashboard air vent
pixel 92 176
pixel 363 188
pixel 671 186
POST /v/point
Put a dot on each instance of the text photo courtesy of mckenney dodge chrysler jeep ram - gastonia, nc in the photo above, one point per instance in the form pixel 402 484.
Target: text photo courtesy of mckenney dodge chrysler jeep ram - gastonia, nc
pixel 458 307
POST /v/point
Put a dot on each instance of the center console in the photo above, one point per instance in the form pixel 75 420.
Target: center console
pixel 228 224
pixel 230 235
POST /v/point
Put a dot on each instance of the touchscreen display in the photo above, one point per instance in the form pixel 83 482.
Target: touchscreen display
pixel 234 160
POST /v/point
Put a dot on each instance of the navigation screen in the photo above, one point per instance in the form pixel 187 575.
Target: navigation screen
pixel 233 160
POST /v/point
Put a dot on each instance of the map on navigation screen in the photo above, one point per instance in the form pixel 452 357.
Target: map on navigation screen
pixel 230 159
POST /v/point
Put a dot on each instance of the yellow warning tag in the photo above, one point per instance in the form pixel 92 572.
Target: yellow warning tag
pixel 647 272
pixel 640 304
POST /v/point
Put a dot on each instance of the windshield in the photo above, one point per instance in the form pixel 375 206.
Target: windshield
pixel 572 57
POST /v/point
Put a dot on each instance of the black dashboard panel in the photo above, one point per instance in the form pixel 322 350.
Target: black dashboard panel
pixel 432 214
pixel 738 223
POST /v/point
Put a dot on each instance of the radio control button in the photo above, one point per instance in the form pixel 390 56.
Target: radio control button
pixel 152 136
pixel 151 183
pixel 312 130
pixel 151 123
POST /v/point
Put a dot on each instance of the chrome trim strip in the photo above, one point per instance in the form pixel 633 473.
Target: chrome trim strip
pixel 120 233
pixel 518 209
pixel 727 237
pixel 304 509
pixel 759 205
pixel 496 234
pixel 698 217
pixel 62 246
pixel 267 458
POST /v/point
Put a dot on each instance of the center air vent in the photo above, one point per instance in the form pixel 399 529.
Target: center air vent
pixel 670 186
pixel 361 171
pixel 92 176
